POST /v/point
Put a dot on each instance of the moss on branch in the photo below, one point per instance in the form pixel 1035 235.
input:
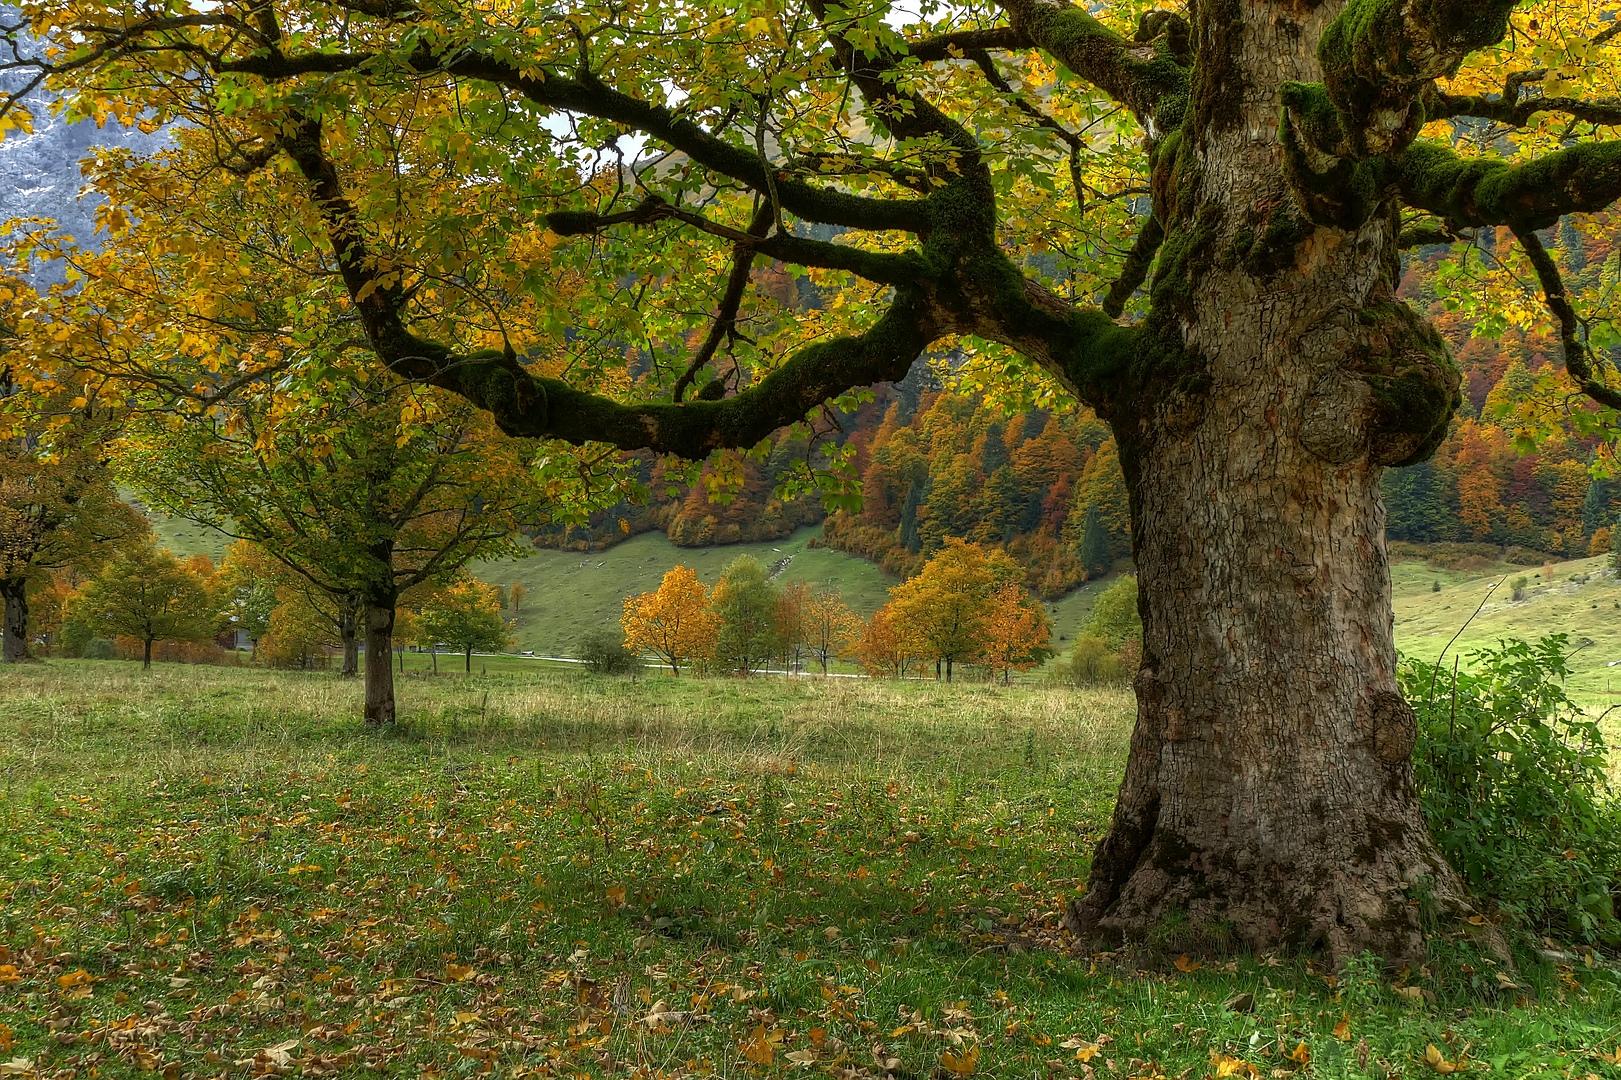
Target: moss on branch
pixel 1378 55
pixel 1148 77
pixel 1471 192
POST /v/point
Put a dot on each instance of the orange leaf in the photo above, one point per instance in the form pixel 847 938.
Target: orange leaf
pixel 962 1064
pixel 758 1047
pixel 1184 965
pixel 74 978
pixel 1342 1030
pixel 1301 1054
pixel 458 972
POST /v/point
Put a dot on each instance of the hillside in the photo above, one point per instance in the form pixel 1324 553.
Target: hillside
pixel 570 592
pixel 1578 598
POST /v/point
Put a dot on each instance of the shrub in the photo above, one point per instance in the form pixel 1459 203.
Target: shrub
pixel 603 651
pixel 98 648
pixel 1519 586
pixel 1511 776
pixel 1090 663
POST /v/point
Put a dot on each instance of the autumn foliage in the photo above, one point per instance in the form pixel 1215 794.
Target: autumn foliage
pixel 674 622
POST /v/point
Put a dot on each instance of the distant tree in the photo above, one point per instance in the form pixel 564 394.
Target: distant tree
pixel 746 601
pixel 1600 543
pixel 516 593
pixel 1115 618
pixel 1095 554
pixel 882 649
pixel 910 539
pixel 603 652
pixel 674 622
pixel 942 610
pixel 466 613
pixel 1596 506
pixel 1102 484
pixel 830 626
pixel 792 632
pixel 1017 632
pixel 58 507
pixel 146 593
pixel 247 590
pixel 1418 504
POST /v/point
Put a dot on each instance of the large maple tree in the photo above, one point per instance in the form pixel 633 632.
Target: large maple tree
pixel 1190 220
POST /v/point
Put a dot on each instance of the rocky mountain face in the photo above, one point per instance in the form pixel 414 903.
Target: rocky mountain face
pixel 40 171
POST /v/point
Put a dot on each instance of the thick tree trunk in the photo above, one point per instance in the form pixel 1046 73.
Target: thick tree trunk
pixel 146 654
pixel 1269 791
pixel 15 647
pixel 379 618
pixel 349 635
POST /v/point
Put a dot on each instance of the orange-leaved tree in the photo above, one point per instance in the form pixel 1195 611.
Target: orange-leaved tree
pixel 1017 632
pixel 830 626
pixel 882 650
pixel 673 621
pixel 942 610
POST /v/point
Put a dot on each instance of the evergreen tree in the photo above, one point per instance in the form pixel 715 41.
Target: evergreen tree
pixel 1416 505
pixel 909 535
pixel 1570 245
pixel 1596 506
pixel 1095 556
pixel 993 451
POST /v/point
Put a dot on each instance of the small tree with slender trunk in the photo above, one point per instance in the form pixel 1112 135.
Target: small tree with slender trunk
pixel 674 621
pixel 745 599
pixel 361 495
pixel 146 593
pixel 1017 632
pixel 465 613
pixel 830 626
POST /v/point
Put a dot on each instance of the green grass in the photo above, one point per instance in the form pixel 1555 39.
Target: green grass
pixel 1588 611
pixel 843 877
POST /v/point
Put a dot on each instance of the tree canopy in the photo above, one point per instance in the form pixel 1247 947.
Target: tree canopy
pixel 1190 221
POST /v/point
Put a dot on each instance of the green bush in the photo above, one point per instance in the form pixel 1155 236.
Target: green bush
pixel 603 651
pixel 1090 663
pixel 1114 614
pixel 1511 776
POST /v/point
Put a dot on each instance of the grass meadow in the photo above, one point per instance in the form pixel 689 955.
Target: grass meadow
pixel 218 872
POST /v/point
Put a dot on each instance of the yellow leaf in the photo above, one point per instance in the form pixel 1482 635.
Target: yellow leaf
pixel 1184 965
pixel 1342 1030
pixel 1230 1066
pixel 458 972
pixel 1301 1054
pixel 1437 1061
pixel 8 973
pixel 74 978
pixel 616 896
pixel 962 1064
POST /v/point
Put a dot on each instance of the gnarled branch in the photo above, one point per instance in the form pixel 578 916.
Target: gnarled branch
pixel 1577 361
pixel 525 404
pixel 1149 77
pixel 1470 192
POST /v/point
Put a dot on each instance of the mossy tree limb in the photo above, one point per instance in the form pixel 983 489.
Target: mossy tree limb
pixel 1578 360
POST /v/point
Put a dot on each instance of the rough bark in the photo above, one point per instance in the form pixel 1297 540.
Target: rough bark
pixel 1269 794
pixel 15 647
pixel 379 619
pixel 146 653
